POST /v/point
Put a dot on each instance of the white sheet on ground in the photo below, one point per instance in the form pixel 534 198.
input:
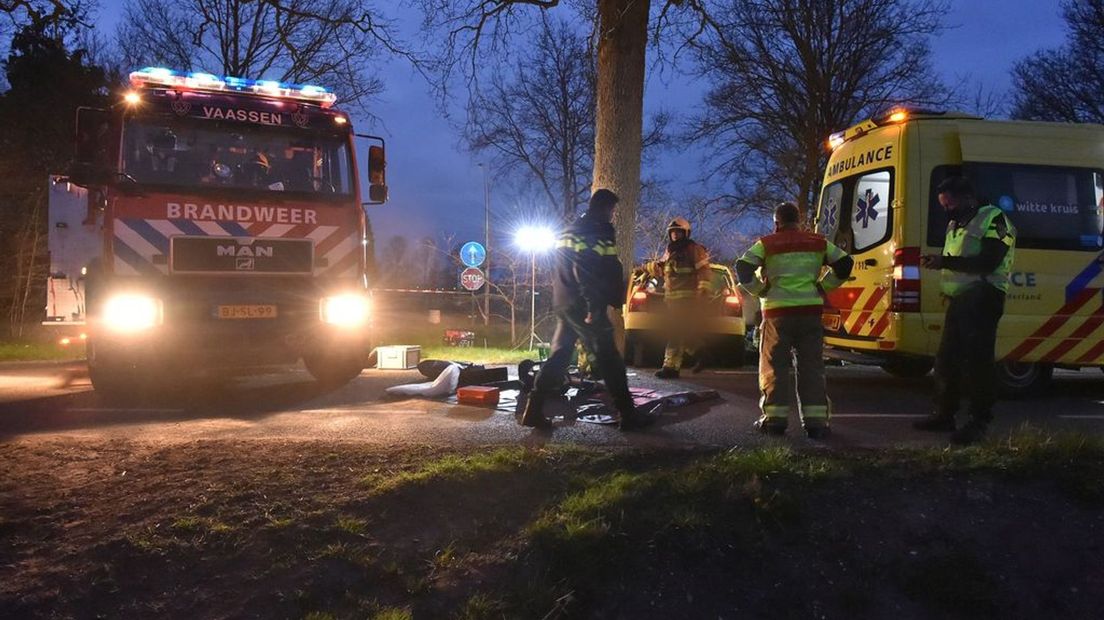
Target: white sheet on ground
pixel 444 385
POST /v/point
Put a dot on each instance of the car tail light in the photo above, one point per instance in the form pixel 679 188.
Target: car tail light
pixel 638 300
pixel 732 305
pixel 906 280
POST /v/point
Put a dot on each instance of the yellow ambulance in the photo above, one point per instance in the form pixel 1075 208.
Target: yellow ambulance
pixel 878 202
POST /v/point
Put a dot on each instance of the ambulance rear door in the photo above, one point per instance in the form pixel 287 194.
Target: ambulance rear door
pixel 858 212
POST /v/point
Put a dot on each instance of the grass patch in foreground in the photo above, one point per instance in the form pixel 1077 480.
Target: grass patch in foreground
pixel 456 467
pixel 477 355
pixel 25 351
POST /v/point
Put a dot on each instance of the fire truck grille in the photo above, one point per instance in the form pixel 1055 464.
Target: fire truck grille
pixel 241 255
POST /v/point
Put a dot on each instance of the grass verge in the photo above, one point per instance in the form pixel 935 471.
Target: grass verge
pixel 477 355
pixel 1006 529
pixel 29 351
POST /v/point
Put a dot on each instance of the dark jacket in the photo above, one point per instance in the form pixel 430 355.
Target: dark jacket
pixel 587 268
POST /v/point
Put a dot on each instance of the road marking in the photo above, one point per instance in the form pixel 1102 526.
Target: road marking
pixel 876 415
pixel 129 410
pixel 367 409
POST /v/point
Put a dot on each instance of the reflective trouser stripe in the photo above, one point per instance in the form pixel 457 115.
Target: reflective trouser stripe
pixel 815 414
pixel 780 412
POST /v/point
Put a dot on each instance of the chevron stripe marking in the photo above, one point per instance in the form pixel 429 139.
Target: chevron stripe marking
pixel 868 308
pixel 1060 318
pixel 1088 327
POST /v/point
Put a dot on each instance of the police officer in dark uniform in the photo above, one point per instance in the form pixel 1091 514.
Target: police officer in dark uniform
pixel 588 280
pixel 975 267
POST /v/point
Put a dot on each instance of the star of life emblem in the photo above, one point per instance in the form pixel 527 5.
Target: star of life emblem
pixel 866 208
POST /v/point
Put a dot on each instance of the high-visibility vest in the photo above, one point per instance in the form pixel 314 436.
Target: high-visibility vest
pixel 966 241
pixel 791 263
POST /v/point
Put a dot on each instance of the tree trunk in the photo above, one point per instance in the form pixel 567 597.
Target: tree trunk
pixel 619 117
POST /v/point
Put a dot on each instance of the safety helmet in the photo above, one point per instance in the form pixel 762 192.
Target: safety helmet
pixel 679 223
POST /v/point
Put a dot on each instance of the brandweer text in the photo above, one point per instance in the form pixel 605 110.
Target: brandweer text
pixel 241 213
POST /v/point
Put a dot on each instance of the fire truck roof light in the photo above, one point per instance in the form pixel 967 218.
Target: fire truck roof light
pixel 198 80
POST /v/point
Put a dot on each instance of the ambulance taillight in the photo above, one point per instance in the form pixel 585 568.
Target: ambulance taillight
pixel 906 280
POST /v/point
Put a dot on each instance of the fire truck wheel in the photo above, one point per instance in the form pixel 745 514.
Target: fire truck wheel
pixel 333 371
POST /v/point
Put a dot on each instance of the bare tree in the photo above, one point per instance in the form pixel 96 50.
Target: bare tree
pixel 42 11
pixel 476 29
pixel 539 117
pixel 787 73
pixel 1065 84
pixel 335 42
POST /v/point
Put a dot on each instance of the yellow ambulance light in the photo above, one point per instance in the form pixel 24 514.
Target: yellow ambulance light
pixel 898 116
pixel 835 140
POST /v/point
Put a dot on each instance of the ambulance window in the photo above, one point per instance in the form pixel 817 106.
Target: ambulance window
pixel 828 218
pixel 870 209
pixel 1052 207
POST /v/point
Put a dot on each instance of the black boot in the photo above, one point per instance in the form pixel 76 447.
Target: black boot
pixel 936 423
pixel 633 419
pixel 534 412
pixel 699 363
pixel 972 432
pixel 667 373
pixel 818 431
pixel 770 426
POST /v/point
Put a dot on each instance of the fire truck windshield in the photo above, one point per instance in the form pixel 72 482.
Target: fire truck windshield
pixel 201 155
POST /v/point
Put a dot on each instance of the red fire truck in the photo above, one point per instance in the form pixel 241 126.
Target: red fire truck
pixel 229 232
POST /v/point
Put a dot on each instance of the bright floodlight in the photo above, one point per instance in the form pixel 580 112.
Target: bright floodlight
pixel 535 238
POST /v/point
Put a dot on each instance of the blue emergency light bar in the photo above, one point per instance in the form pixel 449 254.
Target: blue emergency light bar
pixel 197 80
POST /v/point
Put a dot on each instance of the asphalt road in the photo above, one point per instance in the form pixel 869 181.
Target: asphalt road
pixel 871 409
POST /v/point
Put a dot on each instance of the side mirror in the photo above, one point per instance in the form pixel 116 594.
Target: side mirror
pixel 92 164
pixel 377 194
pixel 377 171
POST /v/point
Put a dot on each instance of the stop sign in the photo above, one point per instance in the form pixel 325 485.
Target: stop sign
pixel 472 279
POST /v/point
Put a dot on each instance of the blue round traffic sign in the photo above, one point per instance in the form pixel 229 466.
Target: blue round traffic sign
pixel 473 254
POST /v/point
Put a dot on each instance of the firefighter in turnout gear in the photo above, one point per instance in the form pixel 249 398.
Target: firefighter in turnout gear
pixel 588 279
pixel 975 268
pixel 686 283
pixel 790 263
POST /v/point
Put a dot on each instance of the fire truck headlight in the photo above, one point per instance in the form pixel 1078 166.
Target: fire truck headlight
pixel 347 310
pixel 132 312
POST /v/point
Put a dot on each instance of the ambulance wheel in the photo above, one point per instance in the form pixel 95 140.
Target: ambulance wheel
pixel 1018 379
pixel 908 367
pixel 333 371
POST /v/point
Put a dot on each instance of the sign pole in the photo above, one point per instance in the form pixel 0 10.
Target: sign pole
pixel 487 246
pixel 533 303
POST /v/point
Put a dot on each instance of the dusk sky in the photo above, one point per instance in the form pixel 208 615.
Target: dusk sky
pixel 436 185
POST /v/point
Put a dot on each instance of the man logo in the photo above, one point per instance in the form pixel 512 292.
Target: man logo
pixel 181 107
pixel 244 251
pixel 245 264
